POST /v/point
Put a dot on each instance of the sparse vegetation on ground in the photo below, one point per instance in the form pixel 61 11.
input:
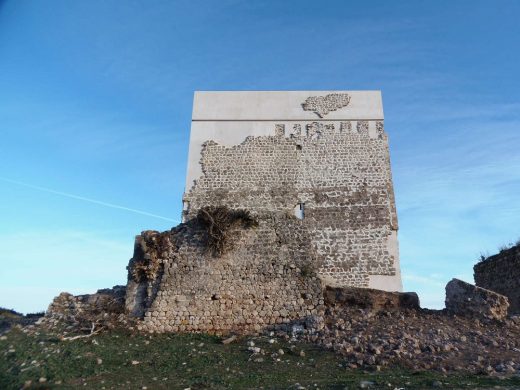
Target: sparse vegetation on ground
pixel 122 360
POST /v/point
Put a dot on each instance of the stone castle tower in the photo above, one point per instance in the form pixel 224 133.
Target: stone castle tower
pixel 313 171
pixel 321 156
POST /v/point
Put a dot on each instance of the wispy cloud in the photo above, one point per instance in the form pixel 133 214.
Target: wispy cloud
pixel 455 189
pixel 84 199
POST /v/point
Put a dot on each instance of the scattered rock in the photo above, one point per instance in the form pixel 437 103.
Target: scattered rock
pixel 229 340
pixel 297 329
pixel 420 339
pixel 500 367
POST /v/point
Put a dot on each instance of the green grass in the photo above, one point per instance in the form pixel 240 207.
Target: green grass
pixel 198 362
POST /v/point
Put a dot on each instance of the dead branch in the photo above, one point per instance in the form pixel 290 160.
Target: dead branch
pixel 92 333
pixel 220 223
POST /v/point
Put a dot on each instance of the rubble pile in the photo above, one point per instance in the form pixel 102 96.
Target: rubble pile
pixel 372 329
pixel 90 312
pixel 375 336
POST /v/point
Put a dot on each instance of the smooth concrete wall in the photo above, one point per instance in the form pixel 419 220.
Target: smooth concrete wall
pixel 393 282
pixel 281 105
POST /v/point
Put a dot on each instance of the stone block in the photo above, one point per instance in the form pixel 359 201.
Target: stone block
pixel 370 298
pixel 468 300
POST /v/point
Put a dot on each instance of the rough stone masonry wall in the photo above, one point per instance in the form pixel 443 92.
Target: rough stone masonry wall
pixel 268 279
pixel 339 170
pixel 501 273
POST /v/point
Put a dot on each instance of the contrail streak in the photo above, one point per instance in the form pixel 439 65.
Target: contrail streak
pixel 114 206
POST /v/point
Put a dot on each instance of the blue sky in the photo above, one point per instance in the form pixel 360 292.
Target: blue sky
pixel 96 96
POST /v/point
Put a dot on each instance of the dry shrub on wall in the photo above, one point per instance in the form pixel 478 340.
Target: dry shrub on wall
pixel 145 269
pixel 147 263
pixel 219 223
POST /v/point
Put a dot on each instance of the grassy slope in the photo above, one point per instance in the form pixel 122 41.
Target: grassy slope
pixel 196 361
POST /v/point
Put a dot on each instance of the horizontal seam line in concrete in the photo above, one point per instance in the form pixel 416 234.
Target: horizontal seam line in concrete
pixel 284 120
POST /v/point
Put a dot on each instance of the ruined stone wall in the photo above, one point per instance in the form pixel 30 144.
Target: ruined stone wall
pixel 320 189
pixel 501 273
pixel 339 170
pixel 103 310
pixel 267 279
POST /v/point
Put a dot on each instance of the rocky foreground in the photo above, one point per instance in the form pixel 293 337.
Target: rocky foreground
pixel 119 359
pixel 422 339
pixel 372 330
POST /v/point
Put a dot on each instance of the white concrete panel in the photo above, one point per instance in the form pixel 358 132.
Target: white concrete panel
pixel 389 282
pixel 281 105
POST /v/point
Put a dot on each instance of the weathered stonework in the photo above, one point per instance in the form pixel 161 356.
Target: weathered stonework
pixel 268 279
pixel 337 172
pixel 366 298
pixel 501 273
pixel 320 192
pixel 322 105
pixel 103 310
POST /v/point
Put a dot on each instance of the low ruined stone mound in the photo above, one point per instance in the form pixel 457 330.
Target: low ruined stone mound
pixel 371 299
pixel 104 309
pixel 10 318
pixel 469 300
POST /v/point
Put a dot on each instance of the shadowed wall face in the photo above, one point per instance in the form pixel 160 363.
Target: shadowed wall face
pixel 324 154
pixel 501 273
